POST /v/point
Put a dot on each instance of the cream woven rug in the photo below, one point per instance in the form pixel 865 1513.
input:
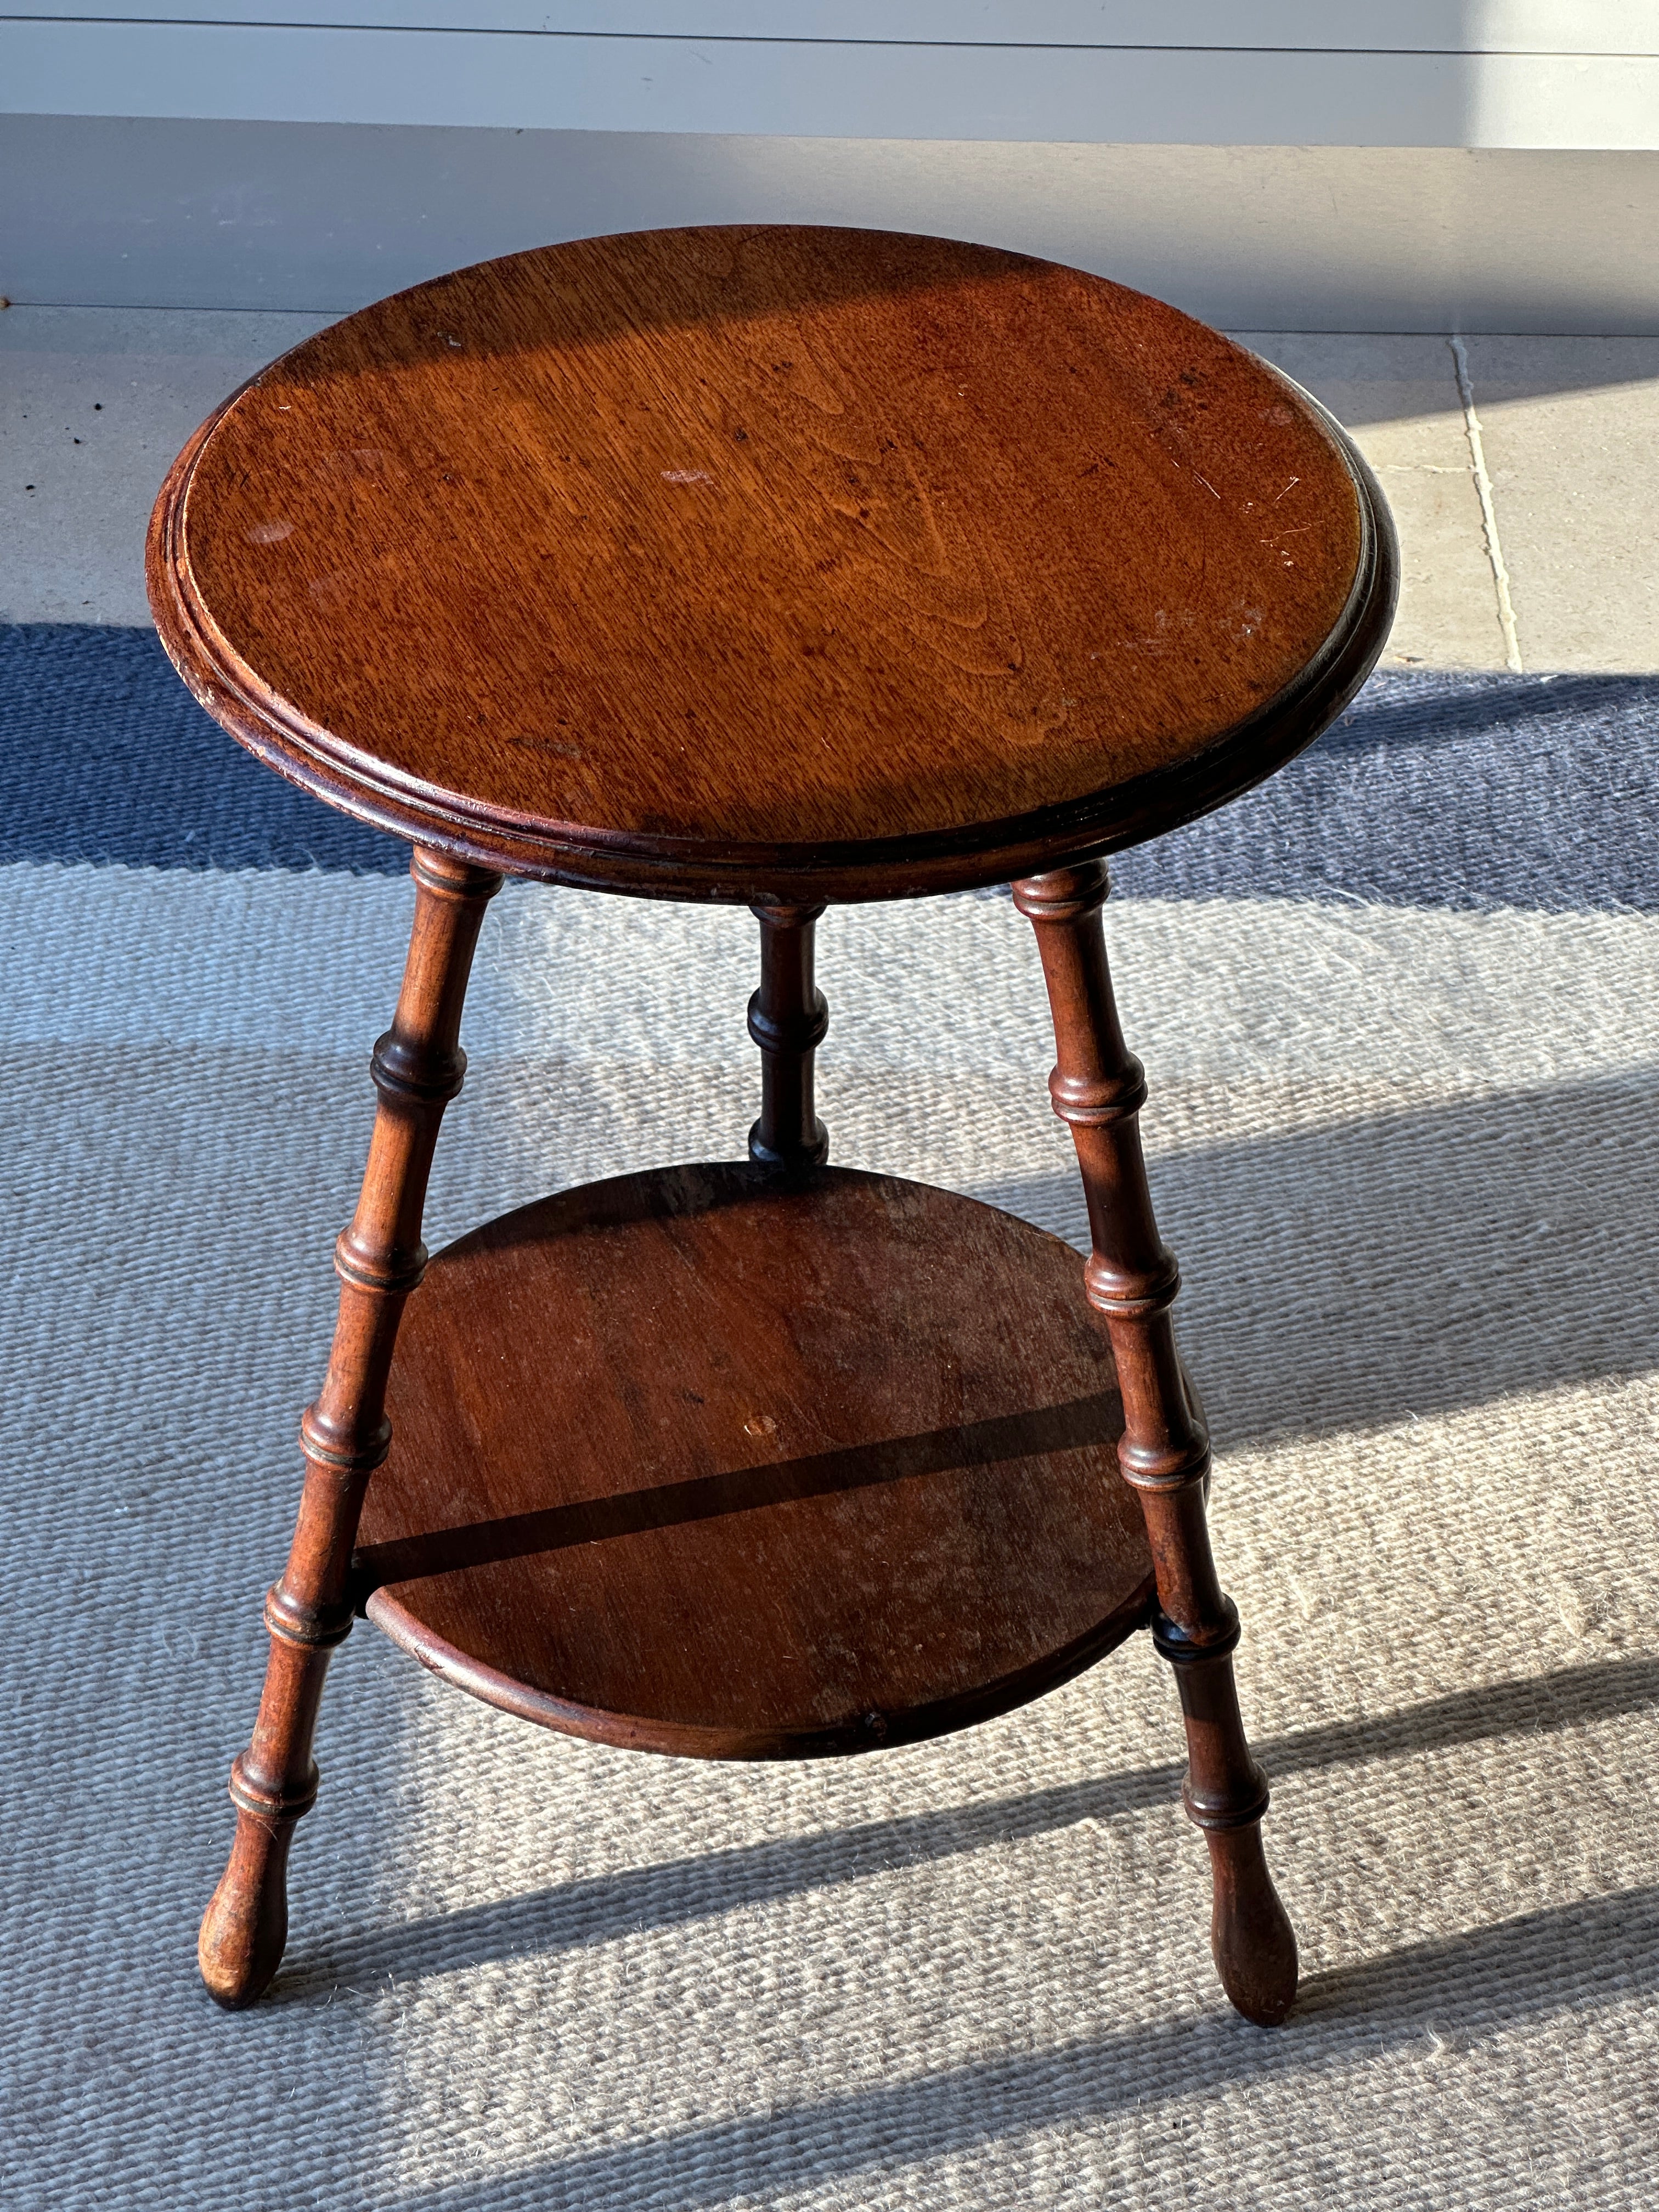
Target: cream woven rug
pixel 1408 1157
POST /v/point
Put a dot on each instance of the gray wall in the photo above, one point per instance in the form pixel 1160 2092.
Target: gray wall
pixel 324 216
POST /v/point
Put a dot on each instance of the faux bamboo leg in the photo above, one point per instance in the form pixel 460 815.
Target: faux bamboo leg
pixel 788 1019
pixel 417 1068
pixel 1132 1279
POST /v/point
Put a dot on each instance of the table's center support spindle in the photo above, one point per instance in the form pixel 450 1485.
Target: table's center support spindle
pixel 788 1019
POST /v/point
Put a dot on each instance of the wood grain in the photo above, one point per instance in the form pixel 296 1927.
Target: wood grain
pixel 772 563
pixel 701 1461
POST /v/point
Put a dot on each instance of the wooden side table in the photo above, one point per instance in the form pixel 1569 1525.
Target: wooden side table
pixel 774 566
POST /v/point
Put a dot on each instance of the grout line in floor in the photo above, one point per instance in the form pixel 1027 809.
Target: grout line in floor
pixel 1500 574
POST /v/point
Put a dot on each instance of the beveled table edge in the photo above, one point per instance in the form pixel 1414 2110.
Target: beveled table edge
pixel 688 1740
pixel 968 858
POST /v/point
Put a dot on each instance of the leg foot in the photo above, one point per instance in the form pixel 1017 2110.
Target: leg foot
pixel 244 1927
pixel 1251 1939
pixel 1225 1792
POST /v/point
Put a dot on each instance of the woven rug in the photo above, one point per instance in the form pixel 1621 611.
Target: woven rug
pixel 1397 1010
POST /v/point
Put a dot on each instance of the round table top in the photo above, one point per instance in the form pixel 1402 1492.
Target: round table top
pixel 772 563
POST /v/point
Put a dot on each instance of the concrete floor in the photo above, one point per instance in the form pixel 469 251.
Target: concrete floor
pixel 1551 570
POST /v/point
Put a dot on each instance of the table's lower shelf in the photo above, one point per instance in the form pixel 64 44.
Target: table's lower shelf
pixel 694 1462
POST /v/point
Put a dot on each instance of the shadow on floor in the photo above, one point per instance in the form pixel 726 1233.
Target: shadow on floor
pixel 1414 1264
pixel 613 1906
pixel 1457 1989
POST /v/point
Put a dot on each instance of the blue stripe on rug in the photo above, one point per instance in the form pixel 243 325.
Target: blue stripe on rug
pixel 1445 790
pixel 1466 792
pixel 106 757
